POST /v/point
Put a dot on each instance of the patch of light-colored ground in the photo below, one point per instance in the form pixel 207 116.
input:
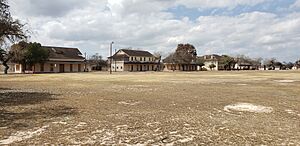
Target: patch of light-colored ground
pixel 248 107
pixel 23 135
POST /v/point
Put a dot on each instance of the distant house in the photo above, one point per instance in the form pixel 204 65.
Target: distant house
pixel 243 66
pixel 60 60
pixel 211 59
pixel 266 67
pixel 93 65
pixel 295 67
pixel 133 60
pixel 246 65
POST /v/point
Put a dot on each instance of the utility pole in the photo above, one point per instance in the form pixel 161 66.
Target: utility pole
pixel 85 69
pixel 110 60
pixel 115 61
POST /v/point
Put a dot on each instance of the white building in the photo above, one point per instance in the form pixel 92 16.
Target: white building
pixel 133 60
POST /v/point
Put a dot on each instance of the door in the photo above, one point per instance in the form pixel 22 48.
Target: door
pixel 71 67
pixel 61 68
pixel 79 67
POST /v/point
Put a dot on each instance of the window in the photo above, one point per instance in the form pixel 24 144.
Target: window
pixel 117 67
pixel 121 67
pixel 131 58
pixel 144 58
pixel 140 58
pixel 42 67
pixel 135 58
pixel 71 67
pixel 51 67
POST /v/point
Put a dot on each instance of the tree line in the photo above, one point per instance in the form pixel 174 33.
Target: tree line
pixel 187 54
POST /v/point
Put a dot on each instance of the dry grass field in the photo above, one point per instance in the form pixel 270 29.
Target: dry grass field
pixel 180 108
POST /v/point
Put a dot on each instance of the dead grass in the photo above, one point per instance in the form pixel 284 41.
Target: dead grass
pixel 151 108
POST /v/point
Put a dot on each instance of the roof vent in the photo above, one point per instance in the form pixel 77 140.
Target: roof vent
pixel 53 50
pixel 57 51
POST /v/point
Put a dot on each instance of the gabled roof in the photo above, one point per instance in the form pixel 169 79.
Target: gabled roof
pixel 64 53
pixel 138 53
pixel 211 57
pixel 119 56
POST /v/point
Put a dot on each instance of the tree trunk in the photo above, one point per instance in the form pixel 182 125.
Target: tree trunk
pixel 158 65
pixel 6 67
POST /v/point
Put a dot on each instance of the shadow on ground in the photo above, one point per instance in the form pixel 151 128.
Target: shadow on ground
pixel 9 97
pixel 19 109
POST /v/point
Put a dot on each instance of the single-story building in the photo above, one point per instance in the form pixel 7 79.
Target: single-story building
pixel 61 59
pixel 180 67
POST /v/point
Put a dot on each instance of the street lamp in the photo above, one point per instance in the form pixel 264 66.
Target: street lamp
pixel 110 52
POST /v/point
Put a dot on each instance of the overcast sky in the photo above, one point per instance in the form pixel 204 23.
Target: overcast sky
pixel 257 28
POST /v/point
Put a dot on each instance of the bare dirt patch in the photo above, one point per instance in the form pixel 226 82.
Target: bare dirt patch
pixel 151 108
pixel 248 107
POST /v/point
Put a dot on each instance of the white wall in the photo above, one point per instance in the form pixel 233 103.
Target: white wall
pixel 208 63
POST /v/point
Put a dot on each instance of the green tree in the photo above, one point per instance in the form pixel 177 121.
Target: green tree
pixel 212 66
pixel 287 65
pixel 28 54
pixel 272 63
pixel 200 62
pixel 184 54
pixel 10 31
pixel 35 54
pixel 228 62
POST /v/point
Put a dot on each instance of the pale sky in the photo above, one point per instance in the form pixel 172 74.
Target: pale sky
pixel 256 28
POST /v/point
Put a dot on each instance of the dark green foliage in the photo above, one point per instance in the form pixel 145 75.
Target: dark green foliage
pixel 184 54
pixel 273 63
pixel 212 66
pixel 200 62
pixel 228 62
pixel 28 54
pixel 35 54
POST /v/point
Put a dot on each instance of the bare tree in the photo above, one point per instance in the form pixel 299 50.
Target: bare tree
pixel 297 63
pixel 10 31
pixel 97 60
pixel 158 56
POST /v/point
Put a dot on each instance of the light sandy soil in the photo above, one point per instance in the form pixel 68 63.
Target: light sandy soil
pixel 204 108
